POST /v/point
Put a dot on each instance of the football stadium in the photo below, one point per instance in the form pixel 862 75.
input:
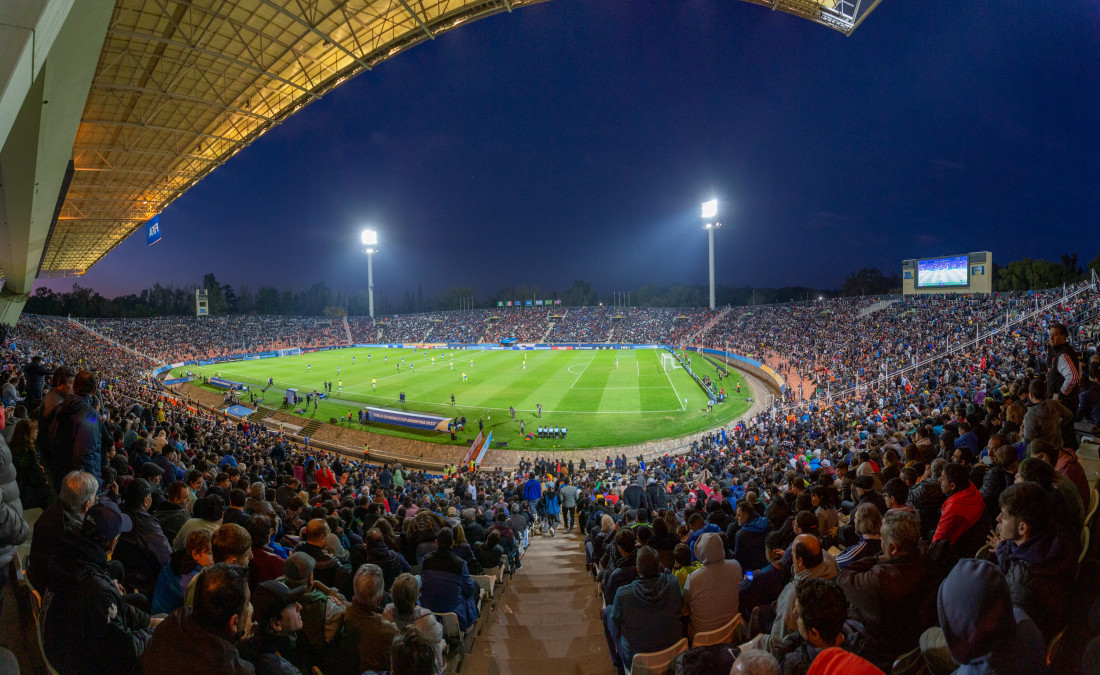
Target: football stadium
pixel 460 390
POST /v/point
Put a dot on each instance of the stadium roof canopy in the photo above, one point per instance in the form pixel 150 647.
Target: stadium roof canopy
pixel 182 86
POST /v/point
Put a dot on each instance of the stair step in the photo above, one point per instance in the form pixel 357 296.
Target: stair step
pixel 542 648
pixel 484 664
pixel 573 629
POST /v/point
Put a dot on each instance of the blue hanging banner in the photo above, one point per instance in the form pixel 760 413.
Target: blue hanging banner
pixel 152 231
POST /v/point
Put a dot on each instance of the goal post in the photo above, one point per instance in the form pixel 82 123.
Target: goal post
pixel 669 362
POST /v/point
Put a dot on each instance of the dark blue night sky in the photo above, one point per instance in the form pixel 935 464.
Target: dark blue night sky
pixel 575 140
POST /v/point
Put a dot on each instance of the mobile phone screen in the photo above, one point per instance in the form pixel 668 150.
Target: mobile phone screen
pixel 749 575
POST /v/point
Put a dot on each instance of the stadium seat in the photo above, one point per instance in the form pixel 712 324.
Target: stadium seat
pixel 1094 502
pixel 910 663
pixel 486 582
pixel 657 663
pixel 718 636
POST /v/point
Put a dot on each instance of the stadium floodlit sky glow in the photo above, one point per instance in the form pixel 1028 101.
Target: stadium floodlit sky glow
pixel 577 140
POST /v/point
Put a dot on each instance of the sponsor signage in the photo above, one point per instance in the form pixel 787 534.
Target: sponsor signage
pixel 152 230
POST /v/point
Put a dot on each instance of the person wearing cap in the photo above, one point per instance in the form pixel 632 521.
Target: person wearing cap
pixel 144 550
pixel 322 610
pixel 277 611
pixel 112 633
pixel 204 638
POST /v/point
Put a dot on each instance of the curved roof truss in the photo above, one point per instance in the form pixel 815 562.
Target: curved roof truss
pixel 183 85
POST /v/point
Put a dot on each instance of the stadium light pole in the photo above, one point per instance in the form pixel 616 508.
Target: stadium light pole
pixel 710 224
pixel 370 240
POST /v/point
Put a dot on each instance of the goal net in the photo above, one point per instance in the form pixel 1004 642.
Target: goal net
pixel 669 362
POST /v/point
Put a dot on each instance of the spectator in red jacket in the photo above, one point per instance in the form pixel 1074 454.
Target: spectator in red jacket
pixel 964 505
pixel 324 477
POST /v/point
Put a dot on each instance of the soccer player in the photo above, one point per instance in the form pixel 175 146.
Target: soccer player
pixel 340 386
pixel 463 377
pixel 353 358
pixel 337 370
pixel 452 399
pixel 539 406
pixel 433 360
pixel 512 409
pixel 309 367
pixel 471 363
pixel 373 383
pixel 616 361
pixel 452 364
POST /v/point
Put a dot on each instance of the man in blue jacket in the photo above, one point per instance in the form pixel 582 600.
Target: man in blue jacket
pixel 532 490
pixel 748 545
pixel 447 585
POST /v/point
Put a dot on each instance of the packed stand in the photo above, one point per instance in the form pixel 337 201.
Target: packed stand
pixel 583 324
pixel 524 325
pixel 175 338
pixel 183 542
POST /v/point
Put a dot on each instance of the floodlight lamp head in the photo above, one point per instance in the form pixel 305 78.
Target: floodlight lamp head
pixel 370 238
pixel 707 226
pixel 710 209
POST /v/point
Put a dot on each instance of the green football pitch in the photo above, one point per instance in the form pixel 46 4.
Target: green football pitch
pixel 603 397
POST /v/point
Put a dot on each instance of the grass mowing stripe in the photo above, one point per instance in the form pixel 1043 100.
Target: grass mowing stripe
pixel 607 414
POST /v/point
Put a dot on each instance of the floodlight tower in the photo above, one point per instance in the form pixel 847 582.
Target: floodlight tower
pixel 710 224
pixel 370 241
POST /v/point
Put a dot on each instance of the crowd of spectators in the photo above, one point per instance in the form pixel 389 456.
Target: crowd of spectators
pixel 938 510
pixel 583 324
pixel 176 338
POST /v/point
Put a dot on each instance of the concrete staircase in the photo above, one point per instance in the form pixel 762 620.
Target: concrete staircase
pixel 548 618
pixel 881 304
pixel 311 428
pixel 347 329
pixel 695 339
pixel 262 413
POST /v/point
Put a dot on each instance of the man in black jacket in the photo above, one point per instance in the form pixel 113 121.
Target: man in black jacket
pixel 328 570
pixel 634 495
pixel 78 494
pixel 656 496
pixel 171 513
pixel 111 633
pixel 143 550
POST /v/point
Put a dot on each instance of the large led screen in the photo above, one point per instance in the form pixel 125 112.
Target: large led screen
pixel 939 272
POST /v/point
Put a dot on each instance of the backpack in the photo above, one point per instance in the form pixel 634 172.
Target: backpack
pixel 707 660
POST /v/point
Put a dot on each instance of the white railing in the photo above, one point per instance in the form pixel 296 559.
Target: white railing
pixel 965 344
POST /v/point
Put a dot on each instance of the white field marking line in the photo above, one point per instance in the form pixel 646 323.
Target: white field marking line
pixel 637 368
pixel 682 407
pixel 582 371
pixel 606 388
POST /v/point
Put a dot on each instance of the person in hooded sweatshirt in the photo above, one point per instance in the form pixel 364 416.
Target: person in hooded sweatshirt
pixel 645 616
pixel 748 542
pixel 981 632
pixel 1039 564
pixel 710 592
